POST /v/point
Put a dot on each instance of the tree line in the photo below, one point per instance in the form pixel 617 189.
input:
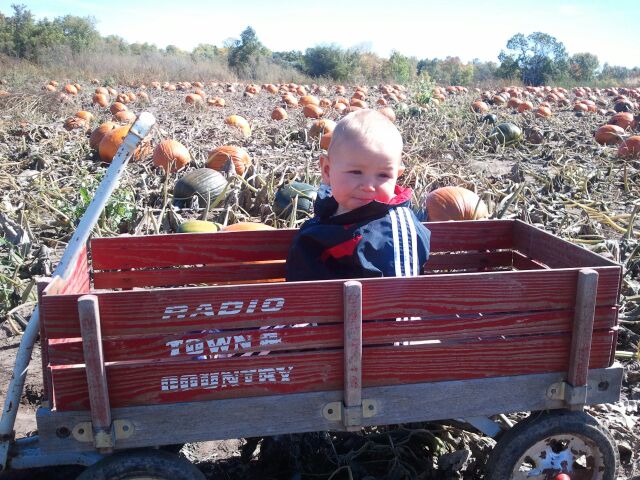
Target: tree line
pixel 536 59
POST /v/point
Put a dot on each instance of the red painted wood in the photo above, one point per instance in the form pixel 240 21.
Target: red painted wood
pixel 321 302
pixel 468 261
pixel 553 251
pixel 78 280
pixel 522 262
pixel 224 247
pixel 222 273
pixel 132 383
pixel 451 328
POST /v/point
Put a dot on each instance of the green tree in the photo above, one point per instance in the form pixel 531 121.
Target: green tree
pixel 400 68
pixel 483 71
pixel 6 36
pixel 539 57
pixel 173 50
pixel 330 61
pixel 245 50
pixel 79 33
pixel 21 26
pixel 115 44
pixel 583 66
pixel 204 52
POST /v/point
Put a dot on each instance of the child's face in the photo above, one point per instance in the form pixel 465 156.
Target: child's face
pixel 359 173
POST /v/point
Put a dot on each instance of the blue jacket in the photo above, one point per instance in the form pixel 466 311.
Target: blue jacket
pixel 375 240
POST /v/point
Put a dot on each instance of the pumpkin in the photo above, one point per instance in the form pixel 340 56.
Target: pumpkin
pixel 506 134
pixel 543 111
pixel 125 116
pixel 198 226
pixel 99 132
pixel 312 111
pixel 245 226
pixel 193 99
pixel 240 123
pixel 112 140
pixel 285 195
pixel 388 112
pixel 490 118
pixel 454 203
pixel 624 120
pixel 100 99
pixel 309 100
pixel 623 106
pixel 206 183
pixel 83 114
pixel 323 129
pixel 74 123
pixel 238 155
pixel 609 135
pixel 525 106
pixel 122 98
pixel 171 154
pixel 279 113
pixel 117 107
pixel 71 89
pixel 216 102
pixel 630 148
pixel 356 102
pixel 479 106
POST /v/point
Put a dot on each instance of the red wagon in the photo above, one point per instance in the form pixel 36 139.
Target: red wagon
pixel 168 339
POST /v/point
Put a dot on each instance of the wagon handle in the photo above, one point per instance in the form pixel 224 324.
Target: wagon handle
pixel 137 132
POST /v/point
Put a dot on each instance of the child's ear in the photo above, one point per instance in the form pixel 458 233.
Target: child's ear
pixel 324 168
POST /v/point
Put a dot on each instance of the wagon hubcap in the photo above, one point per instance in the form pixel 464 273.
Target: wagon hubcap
pixel 577 456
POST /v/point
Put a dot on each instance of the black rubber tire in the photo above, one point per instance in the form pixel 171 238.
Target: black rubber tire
pixel 515 442
pixel 151 464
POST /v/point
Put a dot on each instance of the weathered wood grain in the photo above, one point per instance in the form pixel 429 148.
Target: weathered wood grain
pixel 282 414
pixel 223 247
pixel 452 328
pixel 197 308
pixel 140 383
pixel 582 327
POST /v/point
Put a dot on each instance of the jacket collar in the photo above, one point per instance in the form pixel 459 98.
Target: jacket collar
pixel 325 206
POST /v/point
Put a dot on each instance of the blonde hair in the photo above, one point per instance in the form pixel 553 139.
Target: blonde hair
pixel 367 126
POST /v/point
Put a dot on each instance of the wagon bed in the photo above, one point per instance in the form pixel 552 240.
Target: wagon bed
pixel 190 337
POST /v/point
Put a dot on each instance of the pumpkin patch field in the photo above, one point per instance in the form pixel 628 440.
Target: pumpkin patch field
pixel 238 156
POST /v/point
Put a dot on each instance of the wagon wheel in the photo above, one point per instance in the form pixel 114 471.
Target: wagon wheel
pixel 543 446
pixel 142 465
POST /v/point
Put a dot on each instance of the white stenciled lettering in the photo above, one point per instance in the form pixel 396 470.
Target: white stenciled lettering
pixel 270 338
pixel 230 379
pixel 175 347
pixel 230 308
pixel 242 341
pixel 193 346
pixel 272 305
pixel 220 344
pixel 252 305
pixel 205 309
pixel 177 311
pixel 284 373
pixel 227 379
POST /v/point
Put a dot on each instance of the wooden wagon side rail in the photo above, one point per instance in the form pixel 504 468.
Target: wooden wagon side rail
pixel 499 330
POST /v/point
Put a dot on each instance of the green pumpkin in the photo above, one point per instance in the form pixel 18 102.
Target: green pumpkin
pixel 206 183
pixel 506 134
pixel 284 199
pixel 198 226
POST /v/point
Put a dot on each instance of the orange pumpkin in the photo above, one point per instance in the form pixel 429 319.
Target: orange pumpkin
pixel 101 99
pixel 99 132
pixel 171 154
pixel 279 113
pixel 312 111
pixel 543 111
pixel 238 155
pixel 240 123
pixel 216 102
pixel 630 148
pixel 193 99
pixel 479 106
pixel 309 100
pixel 75 123
pixel 125 116
pixel 609 135
pixel 323 129
pixel 624 120
pixel 71 89
pixel 83 114
pixel 111 142
pixel 454 203
pixel 117 107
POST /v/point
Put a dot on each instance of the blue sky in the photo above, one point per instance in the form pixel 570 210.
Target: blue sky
pixel 420 28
